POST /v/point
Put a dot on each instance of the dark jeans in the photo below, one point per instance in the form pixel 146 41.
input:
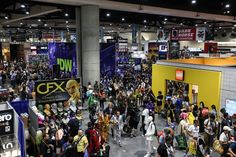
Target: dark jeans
pixel 143 126
pixel 208 139
pixel 80 154
pixel 102 104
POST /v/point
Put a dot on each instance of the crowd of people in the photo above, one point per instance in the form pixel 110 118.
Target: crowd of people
pixel 118 106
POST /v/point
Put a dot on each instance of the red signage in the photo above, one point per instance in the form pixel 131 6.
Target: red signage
pixel 179 75
pixel 187 34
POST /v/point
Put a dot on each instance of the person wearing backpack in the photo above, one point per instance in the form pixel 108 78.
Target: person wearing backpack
pixel 150 136
pixel 210 129
pixel 81 143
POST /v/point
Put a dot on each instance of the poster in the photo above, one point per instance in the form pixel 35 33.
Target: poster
pixel 187 34
pixel 57 90
pixel 64 55
pixel 6 122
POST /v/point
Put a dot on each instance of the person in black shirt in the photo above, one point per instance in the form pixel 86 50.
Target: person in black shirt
pixel 165 149
pixel 159 102
pixel 74 125
pixel 46 148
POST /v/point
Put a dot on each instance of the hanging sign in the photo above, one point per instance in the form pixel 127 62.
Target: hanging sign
pixel 187 34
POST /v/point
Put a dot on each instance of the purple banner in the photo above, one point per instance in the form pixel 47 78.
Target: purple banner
pixel 64 55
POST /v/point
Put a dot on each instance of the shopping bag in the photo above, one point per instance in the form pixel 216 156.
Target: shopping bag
pixel 181 140
pixel 192 147
pixel 218 147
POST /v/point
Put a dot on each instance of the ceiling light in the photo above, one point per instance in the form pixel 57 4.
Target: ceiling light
pixel 165 19
pixel 234 25
pixel 67 26
pixel 205 22
pixel 110 24
pixel 145 30
pixel 66 14
pixel 129 25
pixel 227 5
pixel 8 25
pixel 220 27
pixel 27 13
pixel 6 17
pixel 181 23
pixel 103 27
pixel 21 23
pixel 22 6
pixel 145 26
pixel 228 11
pixel 145 21
pixel 160 27
pixel 196 25
pixel 164 22
pixel 194 1
pixel 209 25
pixel 123 19
pixel 39 20
pixel 45 25
pixel 67 21
pixel 108 14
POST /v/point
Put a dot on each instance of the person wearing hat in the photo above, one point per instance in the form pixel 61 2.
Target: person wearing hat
pixel 225 139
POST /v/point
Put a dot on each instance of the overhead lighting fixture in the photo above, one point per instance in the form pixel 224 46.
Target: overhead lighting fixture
pixel 67 22
pixel 27 12
pixel 110 24
pixel 103 27
pixel 8 25
pixel 209 25
pixel 123 19
pixel 228 11
pixel 21 23
pixel 165 19
pixel 22 6
pixel 160 27
pixel 227 5
pixel 39 20
pixel 234 25
pixel 145 21
pixel 145 30
pixel 45 25
pixel 220 27
pixel 196 25
pixel 108 14
pixel 129 25
pixel 205 22
pixel 164 22
pixel 66 14
pixel 6 17
pixel 145 26
pixel 194 1
pixel 181 24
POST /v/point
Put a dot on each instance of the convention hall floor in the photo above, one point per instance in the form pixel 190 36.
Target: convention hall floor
pixel 135 147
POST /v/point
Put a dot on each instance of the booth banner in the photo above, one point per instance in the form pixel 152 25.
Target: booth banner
pixel 187 34
pixel 6 122
pixel 64 55
pixel 107 59
pixel 56 90
pixel 201 34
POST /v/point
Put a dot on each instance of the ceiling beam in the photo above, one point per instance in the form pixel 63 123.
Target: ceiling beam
pixel 36 12
pixel 121 6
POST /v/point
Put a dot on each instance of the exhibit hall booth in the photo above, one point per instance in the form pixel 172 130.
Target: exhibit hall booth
pixel 210 80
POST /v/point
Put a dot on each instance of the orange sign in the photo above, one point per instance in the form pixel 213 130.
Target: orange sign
pixel 179 75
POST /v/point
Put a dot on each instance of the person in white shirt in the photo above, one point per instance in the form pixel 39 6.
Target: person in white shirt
pixel 225 139
pixel 150 136
pixel 193 130
pixel 118 124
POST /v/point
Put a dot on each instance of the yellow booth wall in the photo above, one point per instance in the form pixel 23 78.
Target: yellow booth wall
pixel 208 82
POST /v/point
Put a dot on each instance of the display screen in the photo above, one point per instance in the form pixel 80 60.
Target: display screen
pixel 230 106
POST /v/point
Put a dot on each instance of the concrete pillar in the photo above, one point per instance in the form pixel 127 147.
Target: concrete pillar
pixel 139 37
pixel 134 33
pixel 89 36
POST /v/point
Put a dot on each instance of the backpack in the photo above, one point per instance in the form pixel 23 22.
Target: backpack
pixel 156 132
